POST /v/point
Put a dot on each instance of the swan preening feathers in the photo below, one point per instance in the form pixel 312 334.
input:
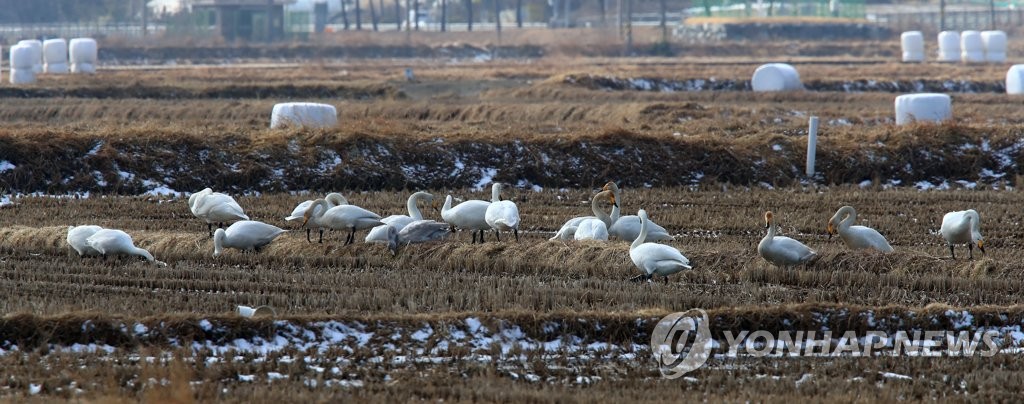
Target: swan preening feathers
pixel 963 227
pixel 215 207
pixel 855 237
pixel 333 199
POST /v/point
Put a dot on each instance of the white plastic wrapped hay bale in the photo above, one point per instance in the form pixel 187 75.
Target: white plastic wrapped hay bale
pixel 995 46
pixel 972 47
pixel 21 64
pixel 37 53
pixel 928 107
pixel 912 43
pixel 776 77
pixel 949 46
pixel 55 56
pixel 83 53
pixel 1015 80
pixel 303 114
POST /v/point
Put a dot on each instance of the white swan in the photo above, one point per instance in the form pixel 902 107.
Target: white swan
pixel 468 215
pixel 379 234
pixel 215 207
pixel 502 215
pixel 963 227
pixel 595 228
pixel 344 217
pixel 780 250
pixel 628 227
pixel 333 199
pixel 77 236
pixel 420 231
pixel 568 229
pixel 245 235
pixel 855 237
pixel 116 242
pixel 655 259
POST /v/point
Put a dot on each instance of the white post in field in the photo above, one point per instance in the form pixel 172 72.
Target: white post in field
pixel 812 144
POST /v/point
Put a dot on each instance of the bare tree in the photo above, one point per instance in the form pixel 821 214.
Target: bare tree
pixel 664 21
pixel 408 24
pixel 359 16
pixel 416 13
pixel 398 15
pixel 469 14
pixel 373 15
pixel 444 15
pixel 604 12
pixel 497 17
pixel 519 13
pixel 344 15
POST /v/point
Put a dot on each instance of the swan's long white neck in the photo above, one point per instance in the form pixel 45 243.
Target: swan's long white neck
pixel 616 212
pixel 496 192
pixel 218 242
pixel 975 223
pixel 772 230
pixel 447 204
pixel 336 199
pixel 142 252
pixel 643 231
pixel 414 211
pixel 850 214
pixel 315 213
pixel 598 212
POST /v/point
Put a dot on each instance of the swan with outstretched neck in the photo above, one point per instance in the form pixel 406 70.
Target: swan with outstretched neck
pixel 780 250
pixel 653 258
pixel 856 237
pixel 116 242
pixel 963 227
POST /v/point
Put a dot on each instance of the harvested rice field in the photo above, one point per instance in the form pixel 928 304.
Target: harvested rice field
pixel 530 320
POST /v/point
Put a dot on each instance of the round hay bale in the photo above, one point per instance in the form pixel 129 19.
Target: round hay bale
pixel 995 46
pixel 912 43
pixel 21 64
pixel 776 77
pixel 930 107
pixel 55 56
pixel 37 53
pixel 83 52
pixel 303 114
pixel 1015 80
pixel 949 46
pixel 972 47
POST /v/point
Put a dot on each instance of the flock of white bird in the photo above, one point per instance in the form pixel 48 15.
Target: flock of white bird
pixel 333 212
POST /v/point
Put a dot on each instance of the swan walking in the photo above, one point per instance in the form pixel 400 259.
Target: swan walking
pixel 420 231
pixel 77 236
pixel 344 217
pixel 116 242
pixel 780 250
pixel 245 235
pixel 628 227
pixel 215 207
pixel 655 259
pixel 963 227
pixel 855 237
pixel 595 228
pixel 468 215
pixel 379 234
pixel 502 215
pixel 333 199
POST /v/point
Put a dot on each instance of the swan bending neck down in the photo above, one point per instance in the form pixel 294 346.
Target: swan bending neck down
pixel 333 199
pixel 655 259
pixel 855 237
pixel 782 251
pixel 502 215
pixel 246 235
pixel 963 227
pixel 116 242
pixel 420 231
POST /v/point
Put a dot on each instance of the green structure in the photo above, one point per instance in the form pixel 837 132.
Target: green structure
pixel 778 8
pixel 248 20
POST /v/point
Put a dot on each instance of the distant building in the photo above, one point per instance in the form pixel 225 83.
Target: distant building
pixel 249 20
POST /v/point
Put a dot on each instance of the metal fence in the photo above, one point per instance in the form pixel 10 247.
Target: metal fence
pixel 73 30
pixel 769 8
